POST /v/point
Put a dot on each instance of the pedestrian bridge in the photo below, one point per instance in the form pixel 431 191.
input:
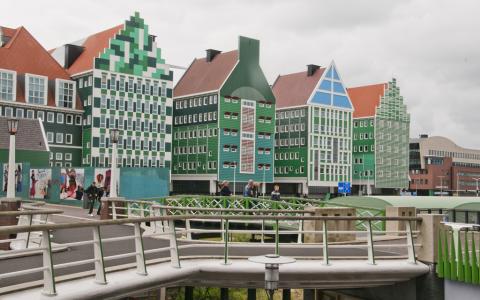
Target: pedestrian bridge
pixel 118 257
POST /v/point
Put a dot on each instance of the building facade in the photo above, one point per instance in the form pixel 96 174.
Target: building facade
pixel 313 140
pixel 224 118
pixel 34 86
pixel 381 129
pixel 123 83
pixel 439 166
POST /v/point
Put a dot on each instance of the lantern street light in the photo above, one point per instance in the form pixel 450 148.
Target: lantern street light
pixel 114 137
pixel 272 272
pixel 12 129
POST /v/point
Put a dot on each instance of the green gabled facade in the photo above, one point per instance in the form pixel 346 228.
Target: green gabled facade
pixel 381 136
pixel 313 131
pixel 123 83
pixel 224 118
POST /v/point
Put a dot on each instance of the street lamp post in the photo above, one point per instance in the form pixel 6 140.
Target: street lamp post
pixel 441 185
pixel 12 129
pixel 264 182
pixel 114 136
pixel 272 263
pixel 234 166
pixel 476 179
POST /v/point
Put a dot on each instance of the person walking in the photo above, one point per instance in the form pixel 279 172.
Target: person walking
pixel 276 193
pixel 224 189
pixel 92 194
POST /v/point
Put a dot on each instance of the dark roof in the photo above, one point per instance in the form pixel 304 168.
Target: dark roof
pixel 24 54
pixel 295 89
pixel 365 99
pixel 30 135
pixel 203 76
pixel 93 46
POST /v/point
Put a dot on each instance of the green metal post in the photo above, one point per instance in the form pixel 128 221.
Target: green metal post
pixel 460 266
pixel 453 259
pixel 467 266
pixel 446 257
pixel 325 243
pixel 474 261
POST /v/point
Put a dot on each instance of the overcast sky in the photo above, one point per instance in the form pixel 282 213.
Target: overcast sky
pixel 432 47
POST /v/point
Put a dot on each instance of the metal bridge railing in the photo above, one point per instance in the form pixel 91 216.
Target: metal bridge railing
pixel 173 249
pixel 30 214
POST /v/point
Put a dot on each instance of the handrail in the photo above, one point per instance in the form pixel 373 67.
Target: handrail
pixel 30 212
pixel 15 229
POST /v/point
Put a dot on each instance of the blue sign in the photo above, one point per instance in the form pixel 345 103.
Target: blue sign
pixel 344 187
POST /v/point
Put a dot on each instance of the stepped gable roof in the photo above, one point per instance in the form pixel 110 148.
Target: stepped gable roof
pixel 296 88
pixel 24 54
pixel 203 76
pixel 365 99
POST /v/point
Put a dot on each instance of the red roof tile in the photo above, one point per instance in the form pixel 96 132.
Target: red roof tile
pixel 295 89
pixel 93 45
pixel 365 99
pixel 24 54
pixel 203 76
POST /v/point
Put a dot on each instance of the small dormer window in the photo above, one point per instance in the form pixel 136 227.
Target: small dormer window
pixel 7 85
pixel 65 93
pixel 36 89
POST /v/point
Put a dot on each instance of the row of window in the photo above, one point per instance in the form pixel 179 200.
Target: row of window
pixel 131 105
pixel 60 156
pixel 57 138
pixel 290 128
pixel 290 114
pixel 443 153
pixel 363 148
pixel 195 102
pixel 60 118
pixel 390 174
pixel 288 156
pixel 363 173
pixel 129 123
pixel 228 164
pixel 192 150
pixel 133 85
pixel 200 133
pixel 364 136
pixel 331 130
pixel 36 89
pixel 330 114
pixel 329 172
pixel 290 142
pixel 289 169
pixel 134 143
pixel 391 162
pixel 363 123
pixel 328 156
pixel 196 118
pixel 127 161
pixel 327 142
pixel 194 165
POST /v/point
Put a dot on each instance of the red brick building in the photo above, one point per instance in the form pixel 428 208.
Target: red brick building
pixel 438 165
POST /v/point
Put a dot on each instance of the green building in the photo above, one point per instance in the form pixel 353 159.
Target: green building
pixel 380 139
pixel 34 86
pixel 313 140
pixel 123 83
pixel 224 119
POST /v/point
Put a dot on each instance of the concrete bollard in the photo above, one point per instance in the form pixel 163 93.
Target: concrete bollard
pixel 428 237
pixel 317 225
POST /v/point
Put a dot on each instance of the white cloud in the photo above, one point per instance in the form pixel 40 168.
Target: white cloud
pixel 430 46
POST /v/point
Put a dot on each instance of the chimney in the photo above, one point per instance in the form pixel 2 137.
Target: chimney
pixel 211 53
pixel 311 69
pixel 72 52
pixel 424 136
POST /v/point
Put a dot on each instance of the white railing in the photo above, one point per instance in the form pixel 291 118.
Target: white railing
pixel 172 233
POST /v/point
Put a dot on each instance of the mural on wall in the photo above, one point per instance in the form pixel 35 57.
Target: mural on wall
pixel 18 177
pixel 72 184
pixel 40 183
pixel 102 180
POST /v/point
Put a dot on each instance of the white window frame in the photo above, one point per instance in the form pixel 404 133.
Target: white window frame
pixel 69 138
pixel 50 137
pixel 27 88
pixel 14 84
pixel 58 82
pixel 60 118
pixel 52 114
pixel 57 139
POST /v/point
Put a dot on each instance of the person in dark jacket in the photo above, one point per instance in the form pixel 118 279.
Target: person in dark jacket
pixel 92 194
pixel 224 189
pixel 276 193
